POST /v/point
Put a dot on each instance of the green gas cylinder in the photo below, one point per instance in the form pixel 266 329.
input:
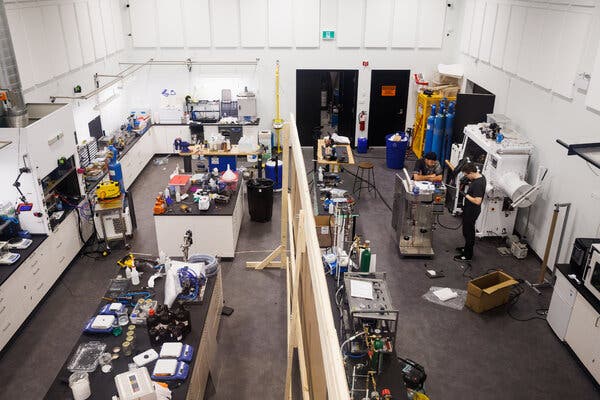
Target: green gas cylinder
pixel 365 258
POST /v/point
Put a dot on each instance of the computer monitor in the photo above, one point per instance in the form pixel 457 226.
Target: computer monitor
pixel 95 127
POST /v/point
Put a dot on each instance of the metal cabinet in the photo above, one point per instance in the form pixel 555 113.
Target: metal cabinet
pixel 583 335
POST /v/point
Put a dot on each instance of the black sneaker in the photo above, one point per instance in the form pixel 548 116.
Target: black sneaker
pixel 460 249
pixel 461 258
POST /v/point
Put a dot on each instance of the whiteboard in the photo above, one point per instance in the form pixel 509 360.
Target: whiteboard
pixel 196 23
pixel 170 23
pixel 500 32
pixel 55 42
pixel 143 23
pixel 545 63
pixel 109 26
pixel 69 24
pixel 19 38
pixel 467 25
pixel 570 48
pixel 349 23
pixel 85 32
pixel 118 23
pixel 532 37
pixel 306 23
pixel 253 23
pixel 226 27
pixel 513 38
pixel 97 29
pixel 377 23
pixel 478 17
pixel 432 15
pixel 404 27
pixel 40 54
pixel 592 99
pixel 280 23
pixel 487 34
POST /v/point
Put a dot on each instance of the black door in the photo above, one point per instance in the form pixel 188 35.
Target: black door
pixel 387 107
pixel 348 92
pixel 308 104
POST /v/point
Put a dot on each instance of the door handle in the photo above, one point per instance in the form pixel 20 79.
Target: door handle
pixel 7 326
pixel 36 271
pixel 597 319
pixel 2 310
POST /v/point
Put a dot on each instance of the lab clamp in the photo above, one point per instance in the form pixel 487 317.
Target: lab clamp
pixel 416 205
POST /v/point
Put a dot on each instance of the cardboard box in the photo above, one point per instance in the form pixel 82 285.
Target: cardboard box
pixel 324 224
pixel 489 291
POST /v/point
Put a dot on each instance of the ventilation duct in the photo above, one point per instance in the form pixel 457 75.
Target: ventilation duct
pixel 16 113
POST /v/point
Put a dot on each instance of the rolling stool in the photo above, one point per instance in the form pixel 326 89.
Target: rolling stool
pixel 359 178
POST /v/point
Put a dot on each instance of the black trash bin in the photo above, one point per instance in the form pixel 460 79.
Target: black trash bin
pixel 260 199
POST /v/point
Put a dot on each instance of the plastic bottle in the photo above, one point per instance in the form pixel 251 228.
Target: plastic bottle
pixel 135 276
pixel 127 272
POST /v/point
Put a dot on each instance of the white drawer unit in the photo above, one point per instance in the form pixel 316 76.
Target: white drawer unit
pixel 14 304
pixel 561 305
pixel 583 335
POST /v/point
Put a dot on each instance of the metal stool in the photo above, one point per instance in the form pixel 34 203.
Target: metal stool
pixel 359 178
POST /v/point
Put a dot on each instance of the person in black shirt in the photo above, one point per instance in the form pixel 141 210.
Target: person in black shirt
pixel 471 209
pixel 428 169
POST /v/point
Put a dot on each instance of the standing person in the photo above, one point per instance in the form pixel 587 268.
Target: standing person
pixel 428 168
pixel 471 210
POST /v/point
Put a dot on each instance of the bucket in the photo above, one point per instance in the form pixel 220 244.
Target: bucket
pixel 363 145
pixel 395 151
pixel 274 174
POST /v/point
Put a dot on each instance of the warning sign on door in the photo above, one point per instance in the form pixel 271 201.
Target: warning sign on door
pixel 388 91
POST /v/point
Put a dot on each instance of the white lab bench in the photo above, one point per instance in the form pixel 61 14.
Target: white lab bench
pixel 214 232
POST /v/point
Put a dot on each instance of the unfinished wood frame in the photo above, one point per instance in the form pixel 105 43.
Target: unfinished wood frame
pixel 311 330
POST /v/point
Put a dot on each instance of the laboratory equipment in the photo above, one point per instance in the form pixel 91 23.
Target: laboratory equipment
pixel 177 350
pixel 108 190
pixel 135 385
pixel 370 317
pixel 504 166
pixel 591 279
pixel 86 356
pixel 170 370
pixel 18 243
pixel 416 204
pixel 145 358
pixel 100 324
pixel 6 257
pixel 113 221
pixel 79 382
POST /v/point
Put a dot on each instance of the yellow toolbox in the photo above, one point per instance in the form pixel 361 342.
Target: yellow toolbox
pixel 422 111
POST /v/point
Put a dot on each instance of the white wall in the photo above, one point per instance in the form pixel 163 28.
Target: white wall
pixel 291 34
pixel 544 104
pixel 60 44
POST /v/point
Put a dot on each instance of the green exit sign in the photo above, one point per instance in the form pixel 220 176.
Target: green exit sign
pixel 328 35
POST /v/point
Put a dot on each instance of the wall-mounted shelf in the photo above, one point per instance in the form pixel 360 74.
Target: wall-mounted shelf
pixel 590 152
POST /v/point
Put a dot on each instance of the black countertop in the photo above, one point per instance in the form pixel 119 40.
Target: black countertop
pixel 253 123
pixel 566 270
pixel 7 270
pixel 214 210
pixel 103 385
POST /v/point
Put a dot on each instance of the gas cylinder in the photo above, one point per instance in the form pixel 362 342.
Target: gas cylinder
pixel 438 132
pixel 448 133
pixel 365 258
pixel 429 131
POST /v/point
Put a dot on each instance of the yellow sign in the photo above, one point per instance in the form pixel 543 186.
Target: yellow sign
pixel 388 91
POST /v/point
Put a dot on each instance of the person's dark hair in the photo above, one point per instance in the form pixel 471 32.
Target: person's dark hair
pixel 431 156
pixel 469 168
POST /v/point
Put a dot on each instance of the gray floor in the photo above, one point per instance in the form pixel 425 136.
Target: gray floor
pixel 466 355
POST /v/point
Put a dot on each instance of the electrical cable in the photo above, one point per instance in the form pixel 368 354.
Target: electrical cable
pixel 448 227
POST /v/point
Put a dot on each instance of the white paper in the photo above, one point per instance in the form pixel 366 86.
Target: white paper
pixel 445 294
pixel 362 289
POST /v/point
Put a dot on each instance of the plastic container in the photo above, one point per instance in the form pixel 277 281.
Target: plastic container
pixel 274 174
pixel 260 199
pixel 79 382
pixel 395 152
pixel 363 145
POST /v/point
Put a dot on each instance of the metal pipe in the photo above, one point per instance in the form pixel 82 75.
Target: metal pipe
pixel 562 232
pixel 189 62
pixel 9 74
pixel 105 86
pixel 555 213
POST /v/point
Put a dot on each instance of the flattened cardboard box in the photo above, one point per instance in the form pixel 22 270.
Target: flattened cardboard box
pixel 324 224
pixel 489 291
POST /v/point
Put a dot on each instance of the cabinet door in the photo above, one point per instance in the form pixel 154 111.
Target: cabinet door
pixel 583 333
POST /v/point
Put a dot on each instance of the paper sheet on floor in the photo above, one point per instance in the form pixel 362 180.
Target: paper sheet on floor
pixel 456 303
pixel 445 294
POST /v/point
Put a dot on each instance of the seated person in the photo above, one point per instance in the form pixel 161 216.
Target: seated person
pixel 428 168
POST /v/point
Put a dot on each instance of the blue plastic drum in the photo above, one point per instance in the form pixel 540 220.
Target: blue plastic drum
pixel 395 152
pixel 274 174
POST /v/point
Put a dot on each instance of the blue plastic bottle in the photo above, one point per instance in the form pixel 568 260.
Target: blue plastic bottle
pixel 429 131
pixel 115 172
pixel 438 132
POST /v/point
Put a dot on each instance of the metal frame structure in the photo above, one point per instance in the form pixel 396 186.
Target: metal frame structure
pixel 311 330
